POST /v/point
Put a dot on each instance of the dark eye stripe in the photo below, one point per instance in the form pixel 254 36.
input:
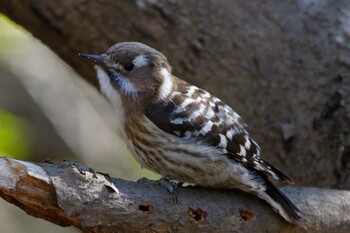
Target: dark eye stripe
pixel 113 76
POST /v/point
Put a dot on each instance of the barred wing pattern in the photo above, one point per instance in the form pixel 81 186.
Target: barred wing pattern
pixel 192 113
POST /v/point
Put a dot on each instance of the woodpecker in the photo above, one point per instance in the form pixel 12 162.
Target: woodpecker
pixel 183 132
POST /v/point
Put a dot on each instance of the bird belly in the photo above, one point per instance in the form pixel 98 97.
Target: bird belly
pixel 207 169
pixel 190 161
pixel 196 164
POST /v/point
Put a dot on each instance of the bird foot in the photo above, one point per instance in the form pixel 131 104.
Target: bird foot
pixel 170 184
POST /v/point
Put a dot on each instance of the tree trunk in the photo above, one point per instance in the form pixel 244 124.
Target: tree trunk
pixel 283 65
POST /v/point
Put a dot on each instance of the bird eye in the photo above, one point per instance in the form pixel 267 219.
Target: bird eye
pixel 129 67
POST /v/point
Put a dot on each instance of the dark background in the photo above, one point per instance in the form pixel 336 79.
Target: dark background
pixel 283 66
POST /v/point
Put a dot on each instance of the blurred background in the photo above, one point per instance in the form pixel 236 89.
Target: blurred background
pixel 48 112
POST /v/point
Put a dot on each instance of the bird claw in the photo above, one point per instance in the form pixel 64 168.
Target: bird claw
pixel 170 185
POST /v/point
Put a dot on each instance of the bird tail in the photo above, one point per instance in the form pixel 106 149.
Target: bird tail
pixel 282 204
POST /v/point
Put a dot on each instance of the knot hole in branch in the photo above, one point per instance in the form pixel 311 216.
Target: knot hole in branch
pixel 247 215
pixel 145 206
pixel 198 214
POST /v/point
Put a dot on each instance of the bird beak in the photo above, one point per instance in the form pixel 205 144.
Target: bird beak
pixel 93 58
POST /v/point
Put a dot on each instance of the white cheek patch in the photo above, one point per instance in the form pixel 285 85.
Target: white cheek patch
pixel 167 84
pixel 108 90
pixel 125 86
pixel 140 60
pixel 106 87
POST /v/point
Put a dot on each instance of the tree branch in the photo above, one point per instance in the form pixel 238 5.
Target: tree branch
pixel 68 193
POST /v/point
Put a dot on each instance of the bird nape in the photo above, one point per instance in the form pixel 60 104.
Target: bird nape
pixel 183 132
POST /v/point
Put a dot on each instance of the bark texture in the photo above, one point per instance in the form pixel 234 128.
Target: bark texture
pixel 283 65
pixel 70 194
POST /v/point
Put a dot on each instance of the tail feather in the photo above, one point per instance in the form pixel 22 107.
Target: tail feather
pixel 282 204
pixel 279 175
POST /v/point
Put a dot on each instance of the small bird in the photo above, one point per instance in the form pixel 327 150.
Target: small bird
pixel 183 132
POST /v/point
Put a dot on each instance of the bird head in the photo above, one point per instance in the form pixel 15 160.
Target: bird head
pixel 133 72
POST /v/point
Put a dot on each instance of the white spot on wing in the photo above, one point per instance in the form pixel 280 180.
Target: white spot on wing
pixel 194 114
pixel 209 113
pixel 177 121
pixel 229 134
pixel 247 142
pixel 223 141
pixel 235 117
pixel 197 112
pixel 140 60
pixel 183 105
pixel 206 95
pixel 256 145
pixel 166 86
pixel 206 128
pixel 243 151
pixel 259 167
pixel 216 100
pixel 191 90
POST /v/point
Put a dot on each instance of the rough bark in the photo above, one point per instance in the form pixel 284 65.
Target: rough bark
pixel 283 65
pixel 70 194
